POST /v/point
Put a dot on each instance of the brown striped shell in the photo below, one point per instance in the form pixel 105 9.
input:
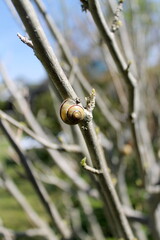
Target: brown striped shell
pixel 71 113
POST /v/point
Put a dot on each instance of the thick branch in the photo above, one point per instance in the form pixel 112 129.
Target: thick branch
pixel 56 156
pixel 70 59
pixel 43 50
pixel 132 83
pixel 109 39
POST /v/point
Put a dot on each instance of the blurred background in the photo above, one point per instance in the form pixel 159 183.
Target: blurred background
pixel 142 18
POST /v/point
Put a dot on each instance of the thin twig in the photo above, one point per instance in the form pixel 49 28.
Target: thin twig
pixel 20 198
pixel 94 225
pixel 88 168
pixel 116 21
pixel 115 77
pixel 124 36
pixel 14 13
pixel 28 233
pixel 136 216
pixel 126 201
pixel 154 190
pixel 39 188
pixel 43 141
pixel 25 40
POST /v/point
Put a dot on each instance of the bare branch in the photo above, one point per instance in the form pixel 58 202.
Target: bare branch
pixel 116 21
pixel 20 198
pixel 70 59
pixel 107 189
pixel 154 190
pixel 43 141
pixel 14 13
pixel 115 77
pixel 56 156
pixel 28 233
pixel 43 50
pixel 88 168
pixel 124 36
pixel 133 89
pixel 41 47
pixel 89 212
pixel 39 188
pixel 136 216
pixel 49 179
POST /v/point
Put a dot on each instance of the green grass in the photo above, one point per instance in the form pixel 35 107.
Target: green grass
pixel 3 148
pixel 11 213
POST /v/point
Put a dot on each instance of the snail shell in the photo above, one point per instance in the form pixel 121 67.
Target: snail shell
pixel 71 113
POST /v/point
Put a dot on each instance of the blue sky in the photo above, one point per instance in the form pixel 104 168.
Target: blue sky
pixel 19 59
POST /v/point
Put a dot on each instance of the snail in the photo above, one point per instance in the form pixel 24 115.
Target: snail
pixel 71 113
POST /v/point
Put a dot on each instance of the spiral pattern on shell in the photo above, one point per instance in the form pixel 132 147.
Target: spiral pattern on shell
pixel 71 113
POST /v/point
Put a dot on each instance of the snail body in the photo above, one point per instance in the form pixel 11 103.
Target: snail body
pixel 71 113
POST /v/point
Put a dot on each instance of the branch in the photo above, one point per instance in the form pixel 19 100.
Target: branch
pixel 48 59
pixel 116 21
pixel 39 188
pixel 43 141
pixel 88 168
pixel 11 234
pixel 71 60
pixel 25 40
pixel 108 37
pixel 14 13
pixel 154 190
pixel 43 50
pixel 20 198
pixel 125 41
pixel 49 179
pixel 133 89
pixel 127 205
pixel 136 216
pixel 115 77
pixel 94 225
pixel 108 193
pixel 56 156
pixel 8 235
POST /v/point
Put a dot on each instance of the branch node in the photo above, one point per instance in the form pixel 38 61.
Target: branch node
pixel 91 101
pixel 88 168
pixel 116 20
pixel 25 40
pixel 133 117
pixel 128 66
pixel 84 5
